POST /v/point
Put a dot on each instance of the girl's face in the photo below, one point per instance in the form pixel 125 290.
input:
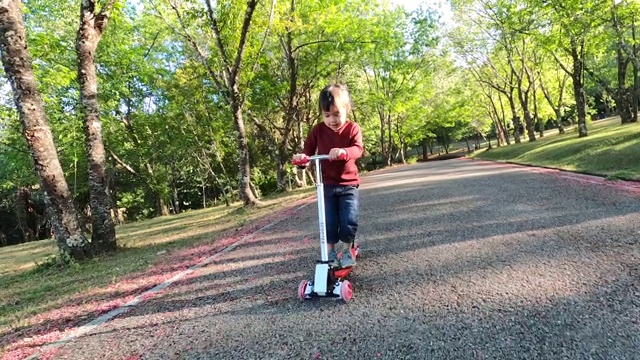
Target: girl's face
pixel 335 118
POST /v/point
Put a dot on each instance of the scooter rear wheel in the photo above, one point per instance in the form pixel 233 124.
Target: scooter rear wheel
pixel 302 289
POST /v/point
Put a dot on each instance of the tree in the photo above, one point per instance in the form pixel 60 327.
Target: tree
pixel 568 25
pixel 512 21
pixel 553 88
pixel 317 46
pixel 393 64
pixel 487 59
pixel 627 51
pixel 92 26
pixel 225 73
pixel 17 64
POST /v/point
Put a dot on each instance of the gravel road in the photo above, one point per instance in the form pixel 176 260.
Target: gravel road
pixel 460 260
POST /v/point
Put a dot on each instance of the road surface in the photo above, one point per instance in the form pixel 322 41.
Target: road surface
pixel 460 260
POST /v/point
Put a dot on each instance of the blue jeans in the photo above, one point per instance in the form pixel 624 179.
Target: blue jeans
pixel 341 213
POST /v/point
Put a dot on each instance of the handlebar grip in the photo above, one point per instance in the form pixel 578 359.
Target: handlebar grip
pixel 304 161
pixel 300 162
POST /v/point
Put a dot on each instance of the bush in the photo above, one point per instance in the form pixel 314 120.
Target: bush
pixel 412 159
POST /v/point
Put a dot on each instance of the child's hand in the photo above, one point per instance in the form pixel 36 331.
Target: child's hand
pixel 337 154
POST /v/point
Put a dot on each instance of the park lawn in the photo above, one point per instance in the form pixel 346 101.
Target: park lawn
pixel 46 297
pixel 609 150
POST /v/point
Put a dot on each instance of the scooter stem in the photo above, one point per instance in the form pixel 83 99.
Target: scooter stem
pixel 324 251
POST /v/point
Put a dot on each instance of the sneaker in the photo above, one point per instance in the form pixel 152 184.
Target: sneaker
pixel 347 259
pixel 333 259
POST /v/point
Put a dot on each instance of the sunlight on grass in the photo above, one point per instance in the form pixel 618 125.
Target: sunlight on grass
pixel 24 256
pixel 609 150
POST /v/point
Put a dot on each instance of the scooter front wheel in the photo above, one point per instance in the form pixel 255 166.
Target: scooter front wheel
pixel 346 291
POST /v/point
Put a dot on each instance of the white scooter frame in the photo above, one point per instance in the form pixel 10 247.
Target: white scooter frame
pixel 327 282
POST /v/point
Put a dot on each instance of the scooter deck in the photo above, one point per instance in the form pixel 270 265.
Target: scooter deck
pixel 341 273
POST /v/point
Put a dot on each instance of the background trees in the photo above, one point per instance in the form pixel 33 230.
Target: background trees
pixel 202 103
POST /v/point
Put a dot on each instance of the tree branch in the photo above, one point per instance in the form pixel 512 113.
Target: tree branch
pixel 122 163
pixel 266 34
pixel 251 6
pixel 103 15
pixel 153 43
pixel 602 82
pixel 218 36
pixel 192 42
pixel 569 72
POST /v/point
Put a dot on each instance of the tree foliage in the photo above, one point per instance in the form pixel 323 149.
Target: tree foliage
pixel 203 103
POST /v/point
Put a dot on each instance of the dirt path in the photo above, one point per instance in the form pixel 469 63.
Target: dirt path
pixel 460 260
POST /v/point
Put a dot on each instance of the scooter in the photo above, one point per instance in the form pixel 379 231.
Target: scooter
pixel 328 281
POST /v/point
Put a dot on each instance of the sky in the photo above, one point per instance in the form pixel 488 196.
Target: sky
pixel 441 5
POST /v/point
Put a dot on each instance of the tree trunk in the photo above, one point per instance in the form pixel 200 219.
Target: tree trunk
pixel 536 118
pixel 291 111
pixel 281 170
pixel 499 134
pixel 425 154
pixel 503 123
pixel 301 175
pixel 244 188
pixel 16 59
pixel 528 120
pixel 636 94
pixel 382 127
pixel 523 96
pixel 116 214
pixel 175 198
pixel 22 209
pixel 578 86
pixel 636 65
pixel 161 206
pixel 500 131
pixel 389 141
pixel 624 107
pixel 559 120
pixel 230 76
pixel 92 25
pixel 625 97
pixel 515 119
pixel 621 93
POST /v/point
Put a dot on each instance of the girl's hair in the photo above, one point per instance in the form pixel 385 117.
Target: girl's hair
pixel 334 94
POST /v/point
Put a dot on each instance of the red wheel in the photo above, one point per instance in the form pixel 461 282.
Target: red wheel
pixel 302 289
pixel 346 291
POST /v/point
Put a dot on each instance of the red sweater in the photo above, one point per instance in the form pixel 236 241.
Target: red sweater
pixel 323 139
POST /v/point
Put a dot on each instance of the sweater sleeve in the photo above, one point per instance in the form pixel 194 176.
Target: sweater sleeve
pixel 356 148
pixel 311 144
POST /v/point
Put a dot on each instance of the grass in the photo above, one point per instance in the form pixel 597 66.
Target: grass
pixel 36 299
pixel 610 150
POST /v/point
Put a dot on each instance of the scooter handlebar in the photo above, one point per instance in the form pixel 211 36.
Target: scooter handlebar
pixel 305 159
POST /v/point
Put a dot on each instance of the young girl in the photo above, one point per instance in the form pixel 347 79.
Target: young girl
pixel 337 136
